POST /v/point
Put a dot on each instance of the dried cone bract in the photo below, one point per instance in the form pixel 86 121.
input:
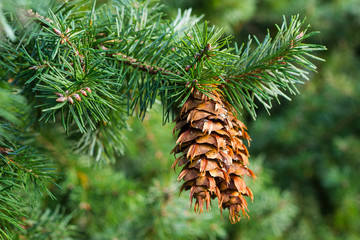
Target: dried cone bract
pixel 212 154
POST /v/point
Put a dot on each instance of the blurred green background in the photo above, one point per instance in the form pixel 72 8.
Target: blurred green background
pixel 305 154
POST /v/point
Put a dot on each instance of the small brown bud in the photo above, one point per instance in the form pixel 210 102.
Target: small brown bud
pixel 88 89
pixel 59 94
pixel 208 47
pixel 300 35
pixel 5 151
pixel 83 92
pixel 195 81
pixel 61 99
pixel 291 44
pixel 187 84
pixel 77 97
pixel 187 68
pixel 57 31
pixel 84 205
pixel 70 100
pixel 197 55
pixel 103 47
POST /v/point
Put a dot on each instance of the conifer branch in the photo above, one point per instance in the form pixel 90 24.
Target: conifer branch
pixel 272 68
pixel 23 171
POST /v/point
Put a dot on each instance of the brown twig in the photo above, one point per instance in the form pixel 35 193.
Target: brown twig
pixel 126 59
pixel 23 168
pixel 5 151
pixel 141 66
pixel 30 14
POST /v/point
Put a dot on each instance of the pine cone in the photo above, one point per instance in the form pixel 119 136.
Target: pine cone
pixel 213 154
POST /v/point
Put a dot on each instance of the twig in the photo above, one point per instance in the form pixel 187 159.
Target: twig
pixel 141 66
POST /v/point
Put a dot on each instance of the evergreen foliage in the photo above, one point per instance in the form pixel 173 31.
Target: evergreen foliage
pixel 310 143
pixel 73 75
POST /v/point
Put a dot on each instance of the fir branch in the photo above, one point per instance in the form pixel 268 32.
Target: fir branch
pixel 82 60
pixel 10 205
pixel 47 224
pixel 143 47
pixel 34 170
pixel 272 68
pixel 23 171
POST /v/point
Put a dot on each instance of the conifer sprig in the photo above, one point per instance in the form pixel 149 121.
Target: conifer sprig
pixel 96 54
pixel 23 170
pixel 271 69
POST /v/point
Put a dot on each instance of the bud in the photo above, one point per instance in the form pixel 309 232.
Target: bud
pixel 300 35
pixel 88 89
pixel 5 151
pixel 77 97
pixel 70 100
pixel 59 94
pixel 208 47
pixel 61 99
pixel 297 38
pixel 86 206
pixel 67 92
pixel 57 31
pixel 187 68
pixel 83 92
